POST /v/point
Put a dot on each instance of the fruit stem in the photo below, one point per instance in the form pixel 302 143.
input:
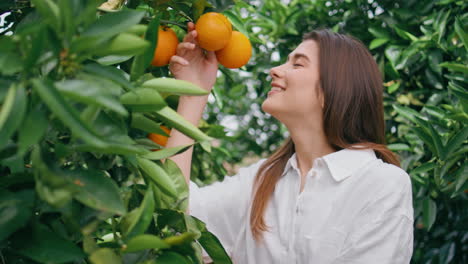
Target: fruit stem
pixel 173 23
pixel 185 15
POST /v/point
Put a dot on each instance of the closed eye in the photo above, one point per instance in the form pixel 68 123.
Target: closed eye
pixel 297 65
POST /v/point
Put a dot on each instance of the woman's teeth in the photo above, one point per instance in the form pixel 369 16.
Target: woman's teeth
pixel 277 89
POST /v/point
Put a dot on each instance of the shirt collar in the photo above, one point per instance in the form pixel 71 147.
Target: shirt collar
pixel 341 164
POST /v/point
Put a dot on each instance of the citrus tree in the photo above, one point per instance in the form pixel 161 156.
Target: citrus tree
pixel 84 111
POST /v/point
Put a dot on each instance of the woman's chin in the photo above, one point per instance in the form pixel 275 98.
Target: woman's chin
pixel 269 107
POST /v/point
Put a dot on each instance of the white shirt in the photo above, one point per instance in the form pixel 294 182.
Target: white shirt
pixel 354 208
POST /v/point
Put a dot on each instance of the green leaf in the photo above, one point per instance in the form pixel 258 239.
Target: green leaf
pixel 124 44
pixel 455 67
pixel 459 91
pixel 213 247
pixel 96 190
pixel 424 168
pixel 462 177
pixel 143 100
pixel 439 146
pixel 169 257
pixel 181 239
pixel 66 113
pixel 442 24
pixel 218 97
pixel 236 22
pixel 173 218
pixel 110 73
pixel 51 186
pixel 49 11
pixel 67 18
pixel 206 146
pixel 425 137
pixel 10 63
pixel 12 112
pixel 173 86
pixel 138 221
pixel 379 32
pixel 105 256
pixel 377 43
pixel 143 242
pixel 114 23
pixel 194 225
pixel 38 43
pixel 393 54
pixel 146 124
pixel 113 59
pixel 92 92
pixel 16 209
pixel 166 152
pixel 461 33
pixel 398 147
pixel 176 121
pixel 159 176
pixel 89 243
pixel 45 246
pixel 392 88
pixel 138 29
pixel 142 61
pixel 407 112
pixel 405 34
pixel 429 212
pixel 32 129
pixel 457 140
pixel 180 183
pixel 198 7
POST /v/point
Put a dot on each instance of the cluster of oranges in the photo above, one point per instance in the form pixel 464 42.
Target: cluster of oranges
pixel 232 48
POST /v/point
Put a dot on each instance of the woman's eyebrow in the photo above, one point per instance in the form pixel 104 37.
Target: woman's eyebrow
pixel 298 55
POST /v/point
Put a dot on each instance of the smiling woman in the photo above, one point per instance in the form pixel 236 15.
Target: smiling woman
pixel 333 192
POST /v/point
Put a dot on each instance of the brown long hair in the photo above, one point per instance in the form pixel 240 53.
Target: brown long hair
pixel 353 115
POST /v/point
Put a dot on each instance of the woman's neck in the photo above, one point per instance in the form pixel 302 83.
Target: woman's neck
pixel 310 144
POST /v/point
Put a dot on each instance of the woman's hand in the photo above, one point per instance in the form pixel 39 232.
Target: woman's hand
pixel 192 64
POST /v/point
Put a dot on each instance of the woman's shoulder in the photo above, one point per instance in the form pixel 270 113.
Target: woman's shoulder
pixel 387 178
pixel 388 173
pixel 385 189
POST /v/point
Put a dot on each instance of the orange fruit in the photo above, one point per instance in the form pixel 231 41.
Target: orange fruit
pixel 236 53
pixel 214 31
pixel 160 139
pixel 166 47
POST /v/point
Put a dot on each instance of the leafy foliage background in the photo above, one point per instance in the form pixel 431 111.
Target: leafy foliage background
pixel 421 47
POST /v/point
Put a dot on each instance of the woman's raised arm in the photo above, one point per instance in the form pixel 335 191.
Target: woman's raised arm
pixel 193 64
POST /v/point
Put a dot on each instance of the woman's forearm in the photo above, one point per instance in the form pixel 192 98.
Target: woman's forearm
pixel 191 108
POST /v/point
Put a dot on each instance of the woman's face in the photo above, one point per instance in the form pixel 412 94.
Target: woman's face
pixel 294 87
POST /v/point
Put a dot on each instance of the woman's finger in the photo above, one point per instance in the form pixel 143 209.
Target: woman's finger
pixel 191 36
pixel 211 57
pixel 178 60
pixel 184 46
pixel 188 36
pixel 191 26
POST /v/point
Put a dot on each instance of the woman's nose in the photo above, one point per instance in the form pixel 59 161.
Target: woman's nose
pixel 276 72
